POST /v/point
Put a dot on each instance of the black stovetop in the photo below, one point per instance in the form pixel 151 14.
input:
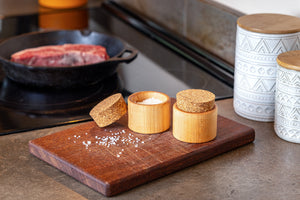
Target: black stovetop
pixel 157 67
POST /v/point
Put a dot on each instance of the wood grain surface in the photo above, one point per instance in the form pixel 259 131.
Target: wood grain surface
pixel 114 159
pixel 194 127
pixel 270 23
pixel 149 119
pixel 289 60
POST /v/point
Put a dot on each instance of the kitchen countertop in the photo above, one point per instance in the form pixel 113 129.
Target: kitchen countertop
pixel 265 169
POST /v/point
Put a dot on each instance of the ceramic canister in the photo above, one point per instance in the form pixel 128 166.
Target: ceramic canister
pixel 287 97
pixel 260 39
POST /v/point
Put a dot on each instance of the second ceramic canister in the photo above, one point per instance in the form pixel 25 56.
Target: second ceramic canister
pixel 260 39
pixel 287 97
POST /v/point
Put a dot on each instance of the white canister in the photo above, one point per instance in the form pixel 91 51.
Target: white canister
pixel 260 39
pixel 287 97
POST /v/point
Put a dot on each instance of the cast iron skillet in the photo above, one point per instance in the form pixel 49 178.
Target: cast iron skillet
pixel 63 77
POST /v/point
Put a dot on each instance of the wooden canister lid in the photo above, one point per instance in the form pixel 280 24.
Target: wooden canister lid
pixel 270 23
pixel 289 60
pixel 195 100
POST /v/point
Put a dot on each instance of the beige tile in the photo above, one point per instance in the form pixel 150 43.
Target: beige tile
pixel 212 27
pixel 170 14
pixel 205 23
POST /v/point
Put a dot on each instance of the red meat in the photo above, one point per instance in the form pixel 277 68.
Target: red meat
pixel 61 55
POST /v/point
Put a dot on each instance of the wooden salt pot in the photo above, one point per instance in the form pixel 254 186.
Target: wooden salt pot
pixel 195 116
pixel 149 117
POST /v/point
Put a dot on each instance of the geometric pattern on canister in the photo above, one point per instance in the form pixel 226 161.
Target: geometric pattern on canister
pixel 287 109
pixel 255 71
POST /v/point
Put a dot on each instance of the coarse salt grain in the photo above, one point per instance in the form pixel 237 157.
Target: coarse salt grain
pixel 150 101
pixel 115 138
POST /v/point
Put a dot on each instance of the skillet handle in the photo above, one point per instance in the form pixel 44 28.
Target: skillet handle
pixel 132 55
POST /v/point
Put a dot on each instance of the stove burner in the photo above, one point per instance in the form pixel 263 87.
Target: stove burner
pixel 45 101
pixel 164 63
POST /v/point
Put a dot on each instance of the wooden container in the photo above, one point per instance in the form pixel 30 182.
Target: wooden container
pixel 194 127
pixel 287 97
pixel 260 39
pixel 149 118
pixel 195 116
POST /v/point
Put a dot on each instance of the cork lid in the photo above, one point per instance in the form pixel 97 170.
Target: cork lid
pixel 289 60
pixel 270 23
pixel 109 110
pixel 195 100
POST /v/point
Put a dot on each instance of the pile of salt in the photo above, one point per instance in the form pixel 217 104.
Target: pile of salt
pixel 150 101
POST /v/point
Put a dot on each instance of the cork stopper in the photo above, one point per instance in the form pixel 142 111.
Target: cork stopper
pixel 270 23
pixel 109 110
pixel 195 100
pixel 289 60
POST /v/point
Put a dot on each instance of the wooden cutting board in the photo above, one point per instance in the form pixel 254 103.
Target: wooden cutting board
pixel 114 159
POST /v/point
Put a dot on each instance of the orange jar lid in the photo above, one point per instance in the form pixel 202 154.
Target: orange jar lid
pixel 62 4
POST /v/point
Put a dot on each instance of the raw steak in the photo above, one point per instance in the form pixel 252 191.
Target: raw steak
pixel 61 55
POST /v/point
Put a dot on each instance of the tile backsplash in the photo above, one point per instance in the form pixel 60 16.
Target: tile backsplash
pixel 205 23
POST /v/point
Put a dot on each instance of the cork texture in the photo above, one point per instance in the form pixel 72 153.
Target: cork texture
pixel 109 110
pixel 195 100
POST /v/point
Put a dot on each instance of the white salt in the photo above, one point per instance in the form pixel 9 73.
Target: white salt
pixel 119 138
pixel 150 101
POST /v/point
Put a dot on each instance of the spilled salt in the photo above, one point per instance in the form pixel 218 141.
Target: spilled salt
pixel 150 101
pixel 113 138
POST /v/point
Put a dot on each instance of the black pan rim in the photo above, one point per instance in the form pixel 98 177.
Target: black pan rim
pixel 59 67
